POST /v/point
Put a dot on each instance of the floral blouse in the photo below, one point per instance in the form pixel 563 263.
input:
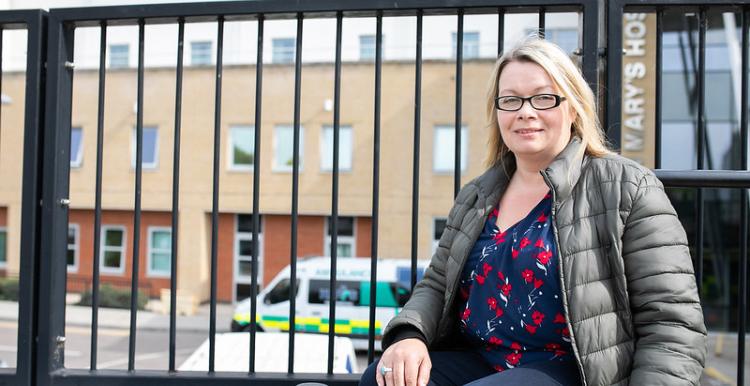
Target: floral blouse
pixel 510 286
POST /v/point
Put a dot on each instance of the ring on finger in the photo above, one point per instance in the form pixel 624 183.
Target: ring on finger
pixel 385 369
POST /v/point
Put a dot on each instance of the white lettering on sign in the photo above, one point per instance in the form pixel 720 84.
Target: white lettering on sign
pixel 634 42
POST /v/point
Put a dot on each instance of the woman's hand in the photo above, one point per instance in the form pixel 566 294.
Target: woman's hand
pixel 409 362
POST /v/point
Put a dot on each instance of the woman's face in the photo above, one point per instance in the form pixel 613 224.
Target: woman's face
pixel 530 133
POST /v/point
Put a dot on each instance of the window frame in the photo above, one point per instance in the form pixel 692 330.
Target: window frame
pixel 351 240
pixel 275 167
pixel 276 51
pixel 454 45
pixel 103 249
pixel 76 248
pixel 374 37
pixel 150 250
pixel 4 262
pixel 126 63
pixel 209 60
pixel 144 165
pixel 230 157
pixel 464 149
pixel 245 236
pixel 325 153
pixel 78 161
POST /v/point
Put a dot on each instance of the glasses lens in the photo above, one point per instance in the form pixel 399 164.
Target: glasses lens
pixel 509 103
pixel 544 101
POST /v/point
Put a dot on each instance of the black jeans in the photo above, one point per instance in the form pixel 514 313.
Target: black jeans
pixel 456 368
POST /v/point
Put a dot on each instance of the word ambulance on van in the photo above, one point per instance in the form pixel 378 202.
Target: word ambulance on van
pixel 313 296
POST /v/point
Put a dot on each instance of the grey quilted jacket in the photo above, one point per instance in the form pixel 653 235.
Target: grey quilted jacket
pixel 629 291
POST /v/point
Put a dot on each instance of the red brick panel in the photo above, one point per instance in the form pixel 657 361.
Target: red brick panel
pixel 363 234
pixel 277 241
pixel 225 255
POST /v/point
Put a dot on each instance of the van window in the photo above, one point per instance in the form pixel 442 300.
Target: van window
pixel 386 294
pixel 346 292
pixel 280 293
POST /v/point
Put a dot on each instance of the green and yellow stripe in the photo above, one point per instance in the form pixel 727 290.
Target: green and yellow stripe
pixel 311 324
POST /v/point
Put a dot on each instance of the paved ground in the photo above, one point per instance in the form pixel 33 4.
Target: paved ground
pixel 152 341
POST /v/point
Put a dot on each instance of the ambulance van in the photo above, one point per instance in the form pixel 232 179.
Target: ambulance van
pixel 313 298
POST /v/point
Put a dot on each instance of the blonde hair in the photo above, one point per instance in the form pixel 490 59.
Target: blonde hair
pixel 568 79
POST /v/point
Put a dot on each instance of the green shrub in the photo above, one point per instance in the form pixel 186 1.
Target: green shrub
pixel 113 297
pixel 9 289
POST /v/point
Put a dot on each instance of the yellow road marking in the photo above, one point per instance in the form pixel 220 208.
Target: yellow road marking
pixel 718 375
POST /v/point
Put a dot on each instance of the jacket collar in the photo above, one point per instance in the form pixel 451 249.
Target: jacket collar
pixel 561 175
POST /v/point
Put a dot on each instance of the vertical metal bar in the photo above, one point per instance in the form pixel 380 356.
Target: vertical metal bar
pixel 701 82
pixel 175 194
pixel 31 192
pixel 658 91
pixel 53 225
pixel 742 306
pixel 1 77
pixel 335 193
pixel 459 79
pixel 137 209
pixel 375 185
pixel 500 31
pixel 98 195
pixel 215 207
pixel 256 192
pixel 614 66
pixel 542 22
pixel 295 192
pixel 415 160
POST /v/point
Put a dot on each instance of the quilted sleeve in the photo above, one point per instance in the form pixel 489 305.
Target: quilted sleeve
pixel 671 340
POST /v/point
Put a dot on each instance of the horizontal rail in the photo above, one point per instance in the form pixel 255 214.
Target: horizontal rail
pixel 704 178
pixel 162 378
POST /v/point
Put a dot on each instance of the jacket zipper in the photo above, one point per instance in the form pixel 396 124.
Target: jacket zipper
pixel 562 278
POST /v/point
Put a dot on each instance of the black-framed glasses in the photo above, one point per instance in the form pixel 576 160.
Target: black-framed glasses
pixel 538 102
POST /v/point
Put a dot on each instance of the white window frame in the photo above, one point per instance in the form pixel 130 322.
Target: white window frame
pixel 454 43
pixel 464 149
pixel 76 248
pixel 145 165
pixel 193 62
pixel 78 159
pixel 150 251
pixel 4 263
pixel 374 38
pixel 351 240
pixel 284 168
pixel 104 248
pixel 436 242
pixel 276 51
pixel 245 236
pixel 127 56
pixel 329 152
pixel 230 157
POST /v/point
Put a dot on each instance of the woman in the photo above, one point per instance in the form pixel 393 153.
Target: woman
pixel 563 264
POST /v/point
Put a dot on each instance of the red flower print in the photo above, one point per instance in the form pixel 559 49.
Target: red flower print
pixel 464 293
pixel 486 268
pixel 499 237
pixel 551 346
pixel 498 368
pixel 537 317
pixel 495 341
pixel 559 318
pixel 538 283
pixel 480 279
pixel 524 243
pixel 527 275
pixel 492 302
pixel 515 346
pixel 498 312
pixel 466 314
pixel 514 253
pixel 500 275
pixel 566 334
pixel 505 288
pixel 541 218
pixel 548 195
pixel 512 359
pixel 544 256
pixel 539 243
pixel 531 329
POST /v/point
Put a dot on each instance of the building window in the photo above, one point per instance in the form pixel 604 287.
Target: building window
pixel 243 255
pixel 150 148
pixel 159 251
pixel 566 38
pixel 438 226
pixel 200 53
pixel 73 247
pixel 283 148
pixel 470 46
pixel 241 147
pixel 3 247
pixel 283 50
pixel 76 147
pixel 367 45
pixel 112 249
pixel 345 149
pixel 345 240
pixel 444 153
pixel 119 55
